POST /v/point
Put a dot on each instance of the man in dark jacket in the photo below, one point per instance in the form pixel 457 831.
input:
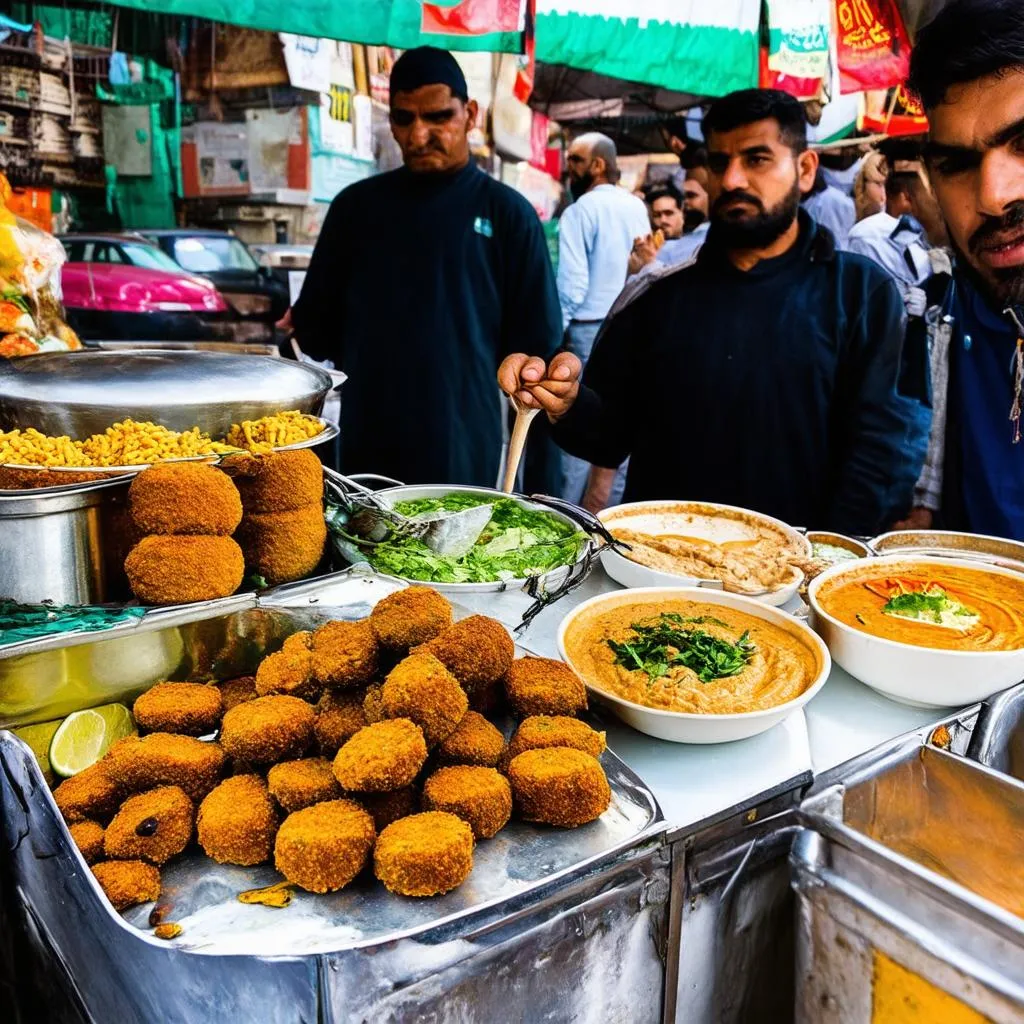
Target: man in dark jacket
pixel 762 374
pixel 968 68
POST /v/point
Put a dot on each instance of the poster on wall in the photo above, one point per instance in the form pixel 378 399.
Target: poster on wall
pixel 223 154
pixel 337 128
pixel 270 134
pixel 308 61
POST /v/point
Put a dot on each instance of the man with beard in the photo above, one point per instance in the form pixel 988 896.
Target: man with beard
pixel 763 374
pixel 968 69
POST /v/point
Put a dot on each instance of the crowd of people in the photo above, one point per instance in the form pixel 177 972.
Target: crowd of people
pixel 842 353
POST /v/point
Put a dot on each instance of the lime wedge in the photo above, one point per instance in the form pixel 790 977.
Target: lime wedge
pixel 85 736
pixel 38 739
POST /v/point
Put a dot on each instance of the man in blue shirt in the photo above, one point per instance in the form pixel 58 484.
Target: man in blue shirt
pixel 967 68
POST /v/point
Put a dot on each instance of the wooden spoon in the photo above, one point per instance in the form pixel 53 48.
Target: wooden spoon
pixel 516 444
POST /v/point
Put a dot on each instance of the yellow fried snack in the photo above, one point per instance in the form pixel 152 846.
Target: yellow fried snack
pixel 475 741
pixel 373 703
pixel 237 691
pixel 283 546
pixel 179 570
pixel 559 786
pixel 289 671
pixel 92 793
pixel 268 729
pixel 425 854
pixel 540 731
pixel 184 497
pixel 277 431
pixel 237 822
pixel 410 617
pixel 154 826
pixel 421 689
pixel 191 709
pixel 345 654
pixel 339 716
pixel 323 847
pixel 298 784
pixel 476 650
pixel 162 759
pixel 88 837
pixel 543 686
pixel 127 883
pixel 277 482
pixel 479 796
pixel 381 757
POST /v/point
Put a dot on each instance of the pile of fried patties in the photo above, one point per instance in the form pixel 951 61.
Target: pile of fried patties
pixel 328 758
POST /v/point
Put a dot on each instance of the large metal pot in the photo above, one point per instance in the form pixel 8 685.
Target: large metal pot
pixel 61 544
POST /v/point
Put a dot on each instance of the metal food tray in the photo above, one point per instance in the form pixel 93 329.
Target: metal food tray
pixel 949 544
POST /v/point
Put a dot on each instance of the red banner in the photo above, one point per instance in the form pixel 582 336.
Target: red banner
pixel 801 88
pixel 523 87
pixel 471 17
pixel 903 115
pixel 872 44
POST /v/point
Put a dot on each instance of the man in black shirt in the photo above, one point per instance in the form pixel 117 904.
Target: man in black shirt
pixel 763 374
pixel 419 319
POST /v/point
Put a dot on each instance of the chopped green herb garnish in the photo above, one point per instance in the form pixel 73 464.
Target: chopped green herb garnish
pixel 931 604
pixel 669 640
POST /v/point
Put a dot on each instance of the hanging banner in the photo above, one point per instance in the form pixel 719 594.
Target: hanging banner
pixel 798 38
pixel 872 45
pixel 472 17
pixel 801 88
pixel 889 114
pixel 527 64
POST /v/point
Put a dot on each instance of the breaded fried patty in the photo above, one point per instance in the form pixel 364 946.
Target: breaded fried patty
pixel 559 786
pixel 154 826
pixel 475 741
pixel 543 686
pixel 92 793
pixel 268 729
pixel 421 689
pixel 477 650
pixel 410 617
pixel 128 882
pixel 373 703
pixel 339 716
pixel 322 848
pixel 539 731
pixel 88 837
pixel 162 759
pixel 345 654
pixel 237 691
pixel 179 570
pixel 277 481
pixel 190 709
pixel 425 854
pixel 381 757
pixel 479 796
pixel 283 546
pixel 289 672
pixel 184 497
pixel 298 784
pixel 237 822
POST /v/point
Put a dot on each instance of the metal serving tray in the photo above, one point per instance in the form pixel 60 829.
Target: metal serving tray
pixel 998 738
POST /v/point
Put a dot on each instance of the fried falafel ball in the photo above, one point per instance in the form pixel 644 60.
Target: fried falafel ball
pixel 268 730
pixel 88 837
pixel 373 703
pixel 476 650
pixel 277 481
pixel 345 654
pixel 163 759
pixel 237 691
pixel 323 847
pixel 421 689
pixel 189 709
pixel 539 731
pixel 559 786
pixel 283 546
pixel 298 784
pixel 154 826
pixel 238 821
pixel 179 570
pixel 339 716
pixel 184 497
pixel 301 641
pixel 479 796
pixel 543 686
pixel 385 808
pixel 410 617
pixel 381 757
pixel 425 854
pixel 475 741
pixel 92 793
pixel 126 883
pixel 289 672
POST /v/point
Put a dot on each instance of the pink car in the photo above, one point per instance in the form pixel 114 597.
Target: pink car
pixel 120 288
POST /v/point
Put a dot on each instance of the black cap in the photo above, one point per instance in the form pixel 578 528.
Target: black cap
pixel 427 65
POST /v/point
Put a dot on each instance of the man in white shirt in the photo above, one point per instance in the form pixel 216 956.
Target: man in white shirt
pixel 832 209
pixel 595 237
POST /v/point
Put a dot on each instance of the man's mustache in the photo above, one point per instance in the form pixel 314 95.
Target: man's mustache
pixel 736 194
pixel 988 233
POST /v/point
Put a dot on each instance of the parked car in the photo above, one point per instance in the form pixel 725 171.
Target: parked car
pixel 121 288
pixel 249 289
pixel 287 263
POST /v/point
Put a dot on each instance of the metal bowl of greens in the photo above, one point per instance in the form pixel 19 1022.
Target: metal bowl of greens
pixel 525 542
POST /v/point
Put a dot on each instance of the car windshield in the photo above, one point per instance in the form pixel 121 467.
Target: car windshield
pixel 150 257
pixel 202 254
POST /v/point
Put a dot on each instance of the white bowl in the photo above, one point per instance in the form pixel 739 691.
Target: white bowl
pixel 924 677
pixel 632 574
pixel 684 726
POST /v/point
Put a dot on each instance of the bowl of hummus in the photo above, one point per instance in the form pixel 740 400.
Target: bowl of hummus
pixel 693 665
pixel 930 632
pixel 700 544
